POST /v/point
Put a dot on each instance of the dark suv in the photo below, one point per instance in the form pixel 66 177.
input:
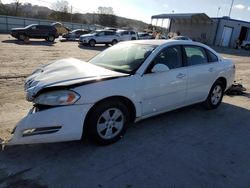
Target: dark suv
pixel 46 32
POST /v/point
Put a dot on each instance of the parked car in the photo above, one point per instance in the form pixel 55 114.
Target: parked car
pixel 46 32
pixel 99 37
pixel 246 45
pixel 75 34
pixel 126 83
pixel 144 36
pixel 182 38
pixel 127 35
pixel 61 29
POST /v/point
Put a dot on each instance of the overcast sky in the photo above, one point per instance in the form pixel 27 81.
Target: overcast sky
pixel 144 9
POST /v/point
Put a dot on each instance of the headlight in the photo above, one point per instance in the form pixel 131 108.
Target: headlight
pixel 56 98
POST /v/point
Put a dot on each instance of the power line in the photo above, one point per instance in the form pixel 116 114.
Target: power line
pixel 231 8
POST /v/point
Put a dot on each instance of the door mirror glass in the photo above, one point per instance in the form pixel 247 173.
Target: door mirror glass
pixel 160 68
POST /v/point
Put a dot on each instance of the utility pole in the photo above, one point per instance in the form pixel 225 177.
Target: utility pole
pixel 218 11
pixel 71 9
pixel 231 8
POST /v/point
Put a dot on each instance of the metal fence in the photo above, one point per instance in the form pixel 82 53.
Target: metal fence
pixel 9 22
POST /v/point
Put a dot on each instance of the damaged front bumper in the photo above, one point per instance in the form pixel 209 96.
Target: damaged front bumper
pixel 56 124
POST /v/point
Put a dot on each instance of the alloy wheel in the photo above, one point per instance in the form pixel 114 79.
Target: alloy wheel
pixel 110 123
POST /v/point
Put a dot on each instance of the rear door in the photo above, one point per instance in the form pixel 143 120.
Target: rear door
pixel 202 73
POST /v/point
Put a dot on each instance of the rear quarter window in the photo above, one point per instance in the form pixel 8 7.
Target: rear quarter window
pixel 195 55
pixel 211 56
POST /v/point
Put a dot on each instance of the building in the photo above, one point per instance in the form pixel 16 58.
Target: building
pixel 222 31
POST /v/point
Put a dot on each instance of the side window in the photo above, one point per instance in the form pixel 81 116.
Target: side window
pixel 212 57
pixel 170 56
pixel 109 33
pixel 33 28
pixel 195 55
pixel 101 33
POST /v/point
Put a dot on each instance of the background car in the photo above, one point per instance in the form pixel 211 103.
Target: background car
pixel 75 34
pixel 126 83
pixel 61 29
pixel 246 44
pixel 99 37
pixel 182 38
pixel 127 35
pixel 144 36
pixel 46 32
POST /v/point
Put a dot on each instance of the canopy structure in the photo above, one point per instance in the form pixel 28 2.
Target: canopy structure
pixel 184 18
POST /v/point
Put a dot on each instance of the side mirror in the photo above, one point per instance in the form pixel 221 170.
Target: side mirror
pixel 159 68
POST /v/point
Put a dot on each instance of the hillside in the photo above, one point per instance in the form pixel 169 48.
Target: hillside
pixel 40 12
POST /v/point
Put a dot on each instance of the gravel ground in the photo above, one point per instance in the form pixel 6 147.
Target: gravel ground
pixel 189 147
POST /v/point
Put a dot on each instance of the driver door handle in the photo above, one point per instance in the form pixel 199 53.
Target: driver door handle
pixel 180 75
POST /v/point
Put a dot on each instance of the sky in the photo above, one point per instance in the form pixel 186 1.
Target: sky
pixel 144 9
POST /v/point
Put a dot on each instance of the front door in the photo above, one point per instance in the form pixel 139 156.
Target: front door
pixel 162 91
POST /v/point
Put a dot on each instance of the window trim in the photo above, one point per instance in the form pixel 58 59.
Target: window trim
pixel 208 56
pixel 150 66
pixel 186 58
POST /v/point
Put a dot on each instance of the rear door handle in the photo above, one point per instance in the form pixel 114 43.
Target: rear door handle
pixel 180 75
pixel 211 69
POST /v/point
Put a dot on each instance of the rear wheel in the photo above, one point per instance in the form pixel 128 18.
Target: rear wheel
pixel 92 43
pixel 114 42
pixel 51 38
pixel 215 95
pixel 107 123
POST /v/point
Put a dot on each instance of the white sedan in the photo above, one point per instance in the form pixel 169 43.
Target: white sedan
pixel 128 82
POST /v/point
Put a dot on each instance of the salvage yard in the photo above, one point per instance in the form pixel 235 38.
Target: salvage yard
pixel 189 147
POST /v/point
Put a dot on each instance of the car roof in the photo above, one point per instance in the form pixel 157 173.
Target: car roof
pixel 160 42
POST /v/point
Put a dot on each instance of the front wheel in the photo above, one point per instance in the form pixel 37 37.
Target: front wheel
pixel 215 95
pixel 108 122
pixel 247 47
pixel 92 43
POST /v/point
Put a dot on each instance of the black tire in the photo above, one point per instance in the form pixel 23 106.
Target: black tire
pixel 21 37
pixel 247 47
pixel 214 98
pixel 96 118
pixel 133 38
pixel 92 43
pixel 51 38
pixel 114 42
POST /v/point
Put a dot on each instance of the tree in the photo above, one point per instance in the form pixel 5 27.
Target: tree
pixel 105 10
pixel 61 6
pixel 17 5
pixel 106 16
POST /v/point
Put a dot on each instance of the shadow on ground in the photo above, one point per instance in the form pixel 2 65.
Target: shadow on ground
pixel 95 48
pixel 31 42
pixel 189 147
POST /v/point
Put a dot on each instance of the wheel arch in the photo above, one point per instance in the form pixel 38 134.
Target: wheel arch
pixel 124 100
pixel 224 82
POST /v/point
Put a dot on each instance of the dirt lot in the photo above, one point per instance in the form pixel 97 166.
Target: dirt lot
pixel 189 147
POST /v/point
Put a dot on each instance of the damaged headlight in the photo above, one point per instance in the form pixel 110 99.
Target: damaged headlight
pixel 56 98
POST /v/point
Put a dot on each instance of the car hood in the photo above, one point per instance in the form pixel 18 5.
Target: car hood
pixel 66 72
pixel 17 29
pixel 88 35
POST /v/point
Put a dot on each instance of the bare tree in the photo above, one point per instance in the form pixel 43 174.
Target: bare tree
pixel 17 5
pixel 105 10
pixel 106 16
pixel 61 6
